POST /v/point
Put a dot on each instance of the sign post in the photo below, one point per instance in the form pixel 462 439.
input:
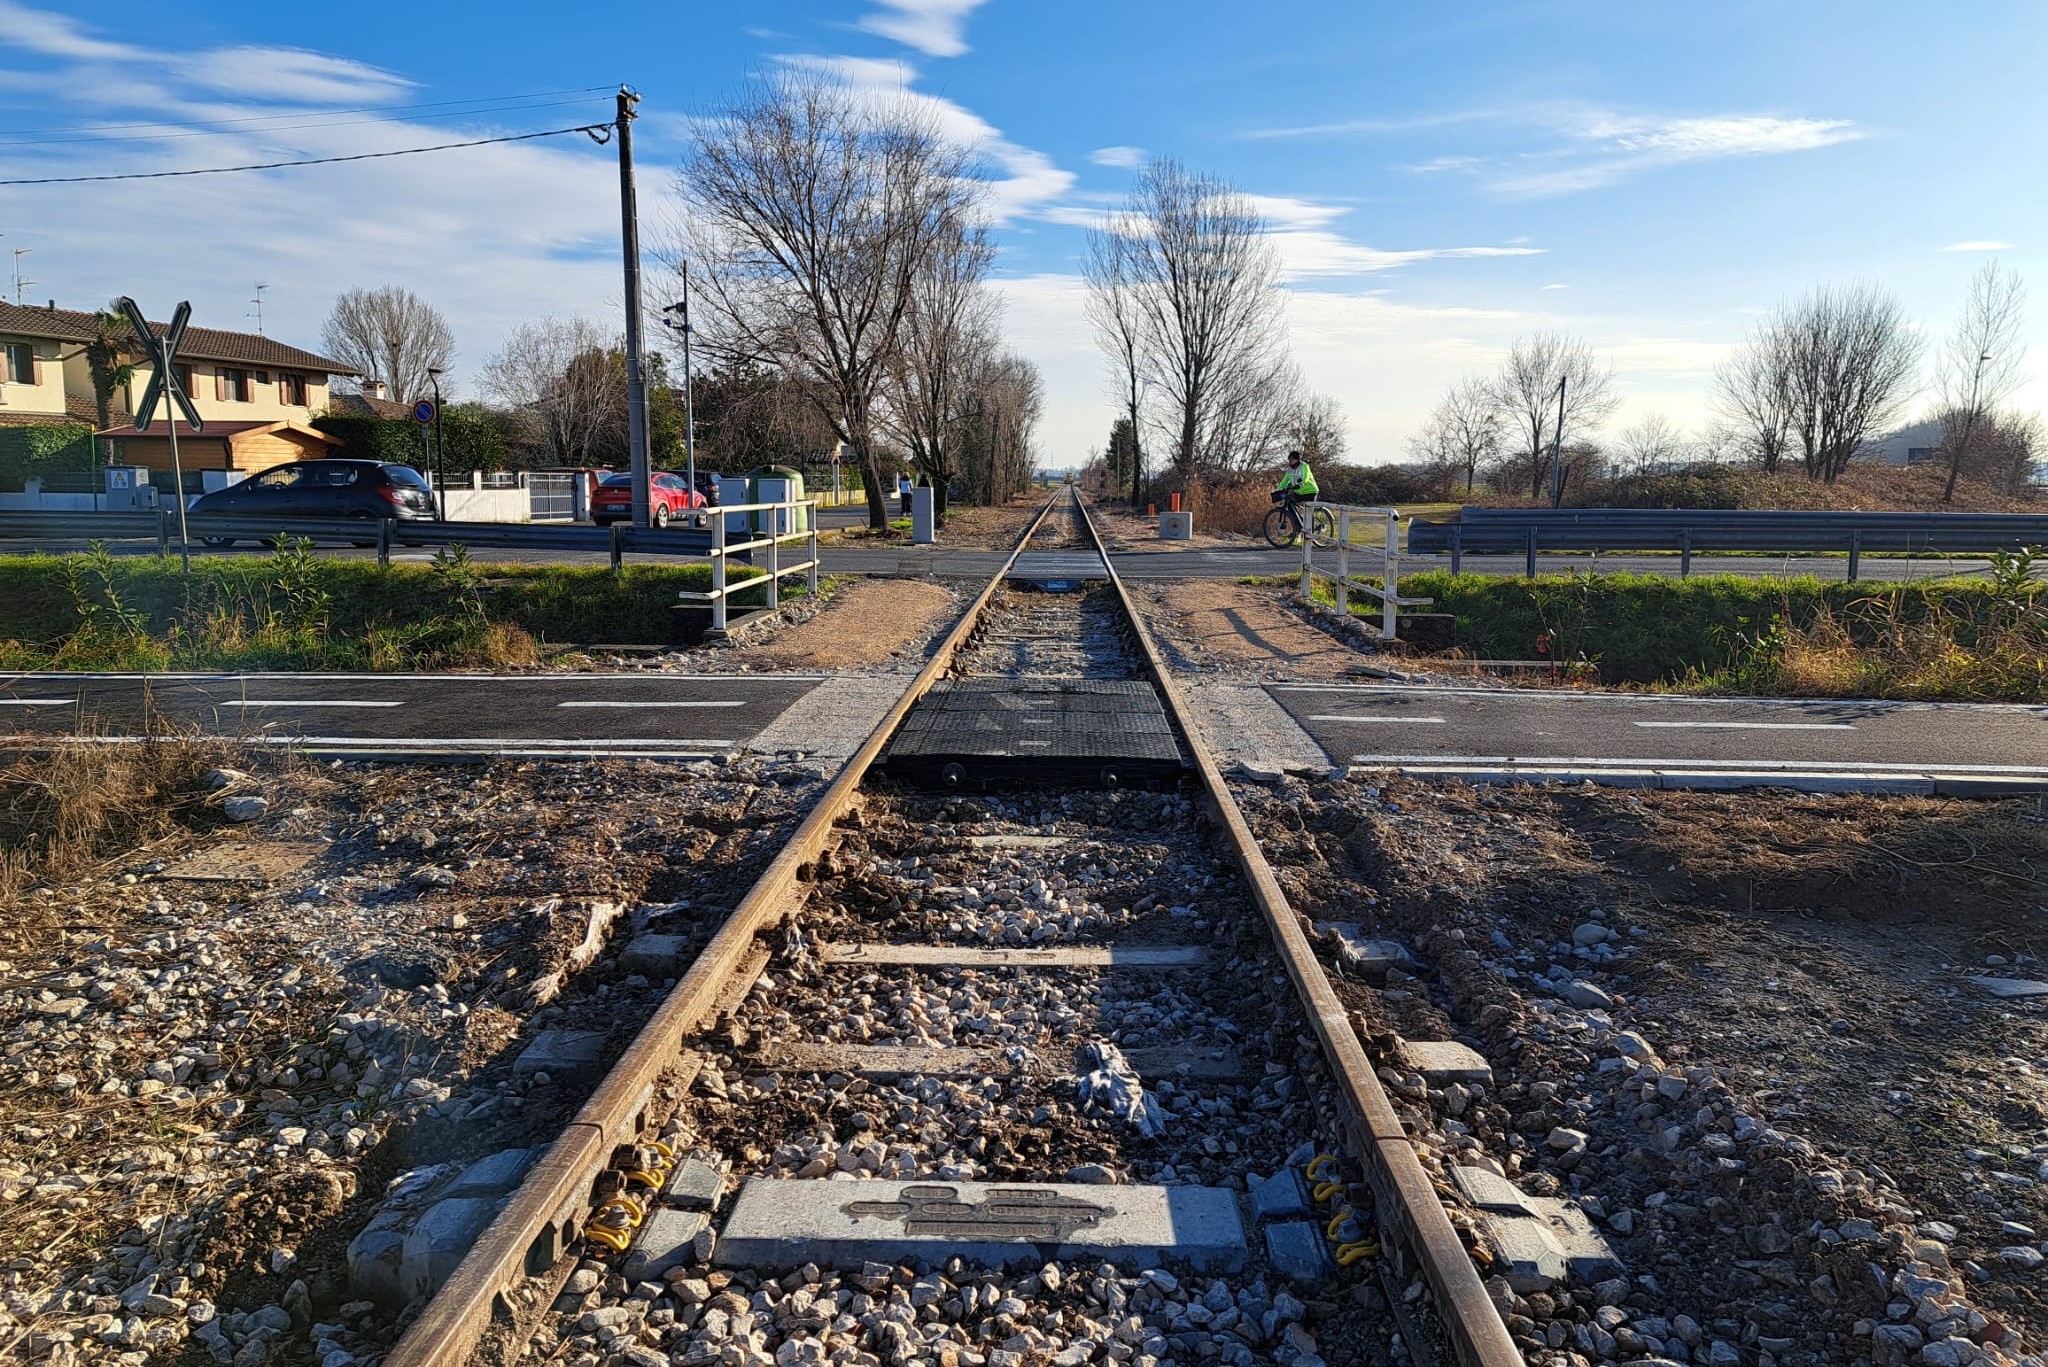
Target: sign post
pixel 162 353
pixel 424 414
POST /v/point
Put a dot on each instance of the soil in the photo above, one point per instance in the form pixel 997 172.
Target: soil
pixel 967 528
pixel 1223 625
pixel 1123 531
pixel 1806 959
pixel 864 624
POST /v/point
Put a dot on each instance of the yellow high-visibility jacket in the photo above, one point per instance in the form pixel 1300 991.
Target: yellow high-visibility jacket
pixel 1300 481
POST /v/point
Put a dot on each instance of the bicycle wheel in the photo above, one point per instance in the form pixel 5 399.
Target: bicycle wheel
pixel 1323 527
pixel 1279 529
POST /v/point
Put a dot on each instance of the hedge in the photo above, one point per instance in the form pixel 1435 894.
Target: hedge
pixel 26 451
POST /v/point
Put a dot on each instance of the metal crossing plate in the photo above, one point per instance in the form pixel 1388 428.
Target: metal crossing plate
pixel 1050 728
pixel 1062 566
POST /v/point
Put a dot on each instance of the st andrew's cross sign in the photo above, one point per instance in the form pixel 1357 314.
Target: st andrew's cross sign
pixel 161 353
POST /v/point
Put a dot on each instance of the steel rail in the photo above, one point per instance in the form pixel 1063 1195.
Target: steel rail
pixel 1406 1200
pixel 540 1220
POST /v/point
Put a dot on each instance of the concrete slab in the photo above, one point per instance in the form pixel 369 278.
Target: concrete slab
pixel 1058 956
pixel 440 1239
pixel 668 1240
pixel 1283 1196
pixel 694 1186
pixel 780 1223
pixel 1527 1255
pixel 494 1175
pixel 1587 1253
pixel 655 956
pixel 2012 987
pixel 1441 1061
pixel 1299 1252
pixel 1489 1191
pixel 561 1051
pixel 1370 958
pixel 887 1062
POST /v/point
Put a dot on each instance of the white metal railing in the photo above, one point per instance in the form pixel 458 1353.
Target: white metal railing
pixel 1388 590
pixel 781 516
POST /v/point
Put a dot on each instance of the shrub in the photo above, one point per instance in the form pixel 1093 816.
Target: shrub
pixel 28 451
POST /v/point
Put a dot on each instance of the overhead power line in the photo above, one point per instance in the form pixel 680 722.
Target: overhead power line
pixel 590 128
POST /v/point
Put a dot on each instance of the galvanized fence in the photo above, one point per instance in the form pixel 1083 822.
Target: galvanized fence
pixel 1342 584
pixel 1507 531
pixel 551 495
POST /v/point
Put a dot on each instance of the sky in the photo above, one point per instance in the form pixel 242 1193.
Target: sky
pixel 1651 176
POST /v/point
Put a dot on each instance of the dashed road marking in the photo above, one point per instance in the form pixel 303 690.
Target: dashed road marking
pixel 721 702
pixel 1346 716
pixel 1744 725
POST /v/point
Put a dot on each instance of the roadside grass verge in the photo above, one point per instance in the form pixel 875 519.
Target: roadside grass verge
pixel 294 610
pixel 1976 640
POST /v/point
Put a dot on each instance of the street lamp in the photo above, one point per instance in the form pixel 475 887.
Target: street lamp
pixel 678 321
pixel 440 473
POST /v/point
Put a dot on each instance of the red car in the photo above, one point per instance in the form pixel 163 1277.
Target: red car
pixel 668 496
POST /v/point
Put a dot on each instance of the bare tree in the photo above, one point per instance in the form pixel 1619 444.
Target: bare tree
pixel 950 321
pixel 813 212
pixel 1252 417
pixel 1550 385
pixel 1849 361
pixel 1116 315
pixel 1979 365
pixel 389 334
pixel 1315 427
pixel 1463 433
pixel 1652 446
pixel 559 371
pixel 999 417
pixel 1752 391
pixel 1203 277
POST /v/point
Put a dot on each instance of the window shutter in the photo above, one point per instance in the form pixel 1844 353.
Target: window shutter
pixel 220 385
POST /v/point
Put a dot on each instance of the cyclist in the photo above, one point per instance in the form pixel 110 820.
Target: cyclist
pixel 1297 485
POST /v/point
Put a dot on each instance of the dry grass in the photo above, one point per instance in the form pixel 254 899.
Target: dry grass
pixel 1239 508
pixel 1923 661
pixel 66 809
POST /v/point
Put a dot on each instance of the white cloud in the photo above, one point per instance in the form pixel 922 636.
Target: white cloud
pixel 292 74
pixel 1030 181
pixel 1309 247
pixel 1620 146
pixel 57 35
pixel 1557 287
pixel 1977 245
pixel 1127 158
pixel 933 27
pixel 453 226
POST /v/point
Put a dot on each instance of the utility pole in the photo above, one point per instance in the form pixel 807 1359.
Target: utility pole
pixel 636 381
pixel 689 408
pixel 1557 450
pixel 440 448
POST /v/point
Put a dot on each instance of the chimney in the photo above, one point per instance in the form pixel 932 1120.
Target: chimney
pixel 53 306
pixel 373 389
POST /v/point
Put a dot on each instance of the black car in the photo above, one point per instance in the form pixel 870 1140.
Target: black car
pixel 364 490
pixel 707 485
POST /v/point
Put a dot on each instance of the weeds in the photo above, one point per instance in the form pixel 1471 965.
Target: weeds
pixel 65 809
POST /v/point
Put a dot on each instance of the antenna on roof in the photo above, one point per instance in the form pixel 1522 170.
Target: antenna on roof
pixel 19 283
pixel 258 302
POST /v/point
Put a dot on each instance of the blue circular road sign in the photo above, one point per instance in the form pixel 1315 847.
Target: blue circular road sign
pixel 423 411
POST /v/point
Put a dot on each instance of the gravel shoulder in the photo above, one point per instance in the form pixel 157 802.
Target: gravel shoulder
pixel 1739 1030
pixel 208 1087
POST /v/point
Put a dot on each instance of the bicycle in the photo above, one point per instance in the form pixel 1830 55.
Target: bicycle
pixel 1284 525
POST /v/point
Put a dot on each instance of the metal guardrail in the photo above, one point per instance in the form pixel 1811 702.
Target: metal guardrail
pixel 780 515
pixel 1388 590
pixel 616 541
pixel 1504 531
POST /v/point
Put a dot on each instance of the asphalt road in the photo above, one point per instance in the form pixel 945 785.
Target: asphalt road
pixel 1501 728
pixel 670 716
pixel 1204 563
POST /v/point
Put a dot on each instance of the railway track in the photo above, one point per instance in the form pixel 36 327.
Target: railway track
pixel 985 1067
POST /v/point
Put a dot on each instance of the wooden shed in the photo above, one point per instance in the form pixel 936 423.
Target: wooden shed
pixel 248 447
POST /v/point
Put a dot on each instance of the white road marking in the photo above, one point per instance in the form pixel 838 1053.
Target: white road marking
pixel 34 702
pixel 1744 725
pixel 723 702
pixel 304 702
pixel 1346 716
